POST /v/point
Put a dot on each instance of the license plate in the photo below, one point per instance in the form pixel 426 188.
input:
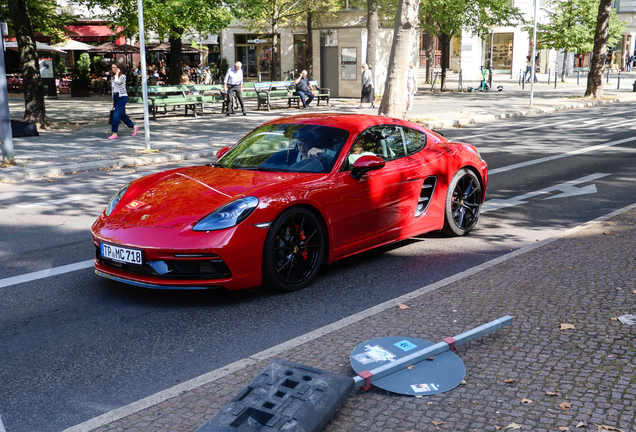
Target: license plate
pixel 121 254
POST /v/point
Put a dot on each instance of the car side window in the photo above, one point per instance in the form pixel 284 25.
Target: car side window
pixel 414 140
pixel 386 142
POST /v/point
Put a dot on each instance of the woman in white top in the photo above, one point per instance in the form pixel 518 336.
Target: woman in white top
pixel 411 86
pixel 120 97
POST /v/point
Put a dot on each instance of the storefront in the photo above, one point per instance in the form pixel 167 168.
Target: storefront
pixel 501 52
pixel 256 54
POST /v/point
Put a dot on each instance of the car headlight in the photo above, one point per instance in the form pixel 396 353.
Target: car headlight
pixel 227 216
pixel 115 200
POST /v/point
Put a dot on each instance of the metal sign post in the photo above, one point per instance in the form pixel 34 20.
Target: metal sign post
pixel 144 75
pixel 393 359
pixel 6 135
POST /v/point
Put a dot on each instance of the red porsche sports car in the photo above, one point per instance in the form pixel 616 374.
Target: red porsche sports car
pixel 295 193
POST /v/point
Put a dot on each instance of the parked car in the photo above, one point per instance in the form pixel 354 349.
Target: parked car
pixel 294 194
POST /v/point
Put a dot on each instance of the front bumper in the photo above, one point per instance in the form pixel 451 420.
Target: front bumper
pixel 179 258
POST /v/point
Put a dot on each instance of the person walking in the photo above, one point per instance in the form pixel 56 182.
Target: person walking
pixel 411 86
pixel 367 87
pixel 528 74
pixel 233 85
pixel 304 89
pixel 120 98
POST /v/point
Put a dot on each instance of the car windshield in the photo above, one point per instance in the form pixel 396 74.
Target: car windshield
pixel 288 148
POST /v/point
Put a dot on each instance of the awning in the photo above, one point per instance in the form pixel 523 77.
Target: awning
pixel 91 31
pixel 39 46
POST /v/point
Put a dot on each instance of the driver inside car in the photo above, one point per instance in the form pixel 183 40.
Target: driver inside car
pixel 308 149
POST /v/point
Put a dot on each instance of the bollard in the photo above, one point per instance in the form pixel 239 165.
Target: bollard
pixel 549 73
pixel 523 84
pixel 618 84
pixel 608 76
pixel 634 87
pixel 521 76
pixel 578 76
pixel 555 77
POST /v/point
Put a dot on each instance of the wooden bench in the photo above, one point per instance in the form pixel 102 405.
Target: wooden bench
pixel 322 93
pixel 186 95
pixel 268 91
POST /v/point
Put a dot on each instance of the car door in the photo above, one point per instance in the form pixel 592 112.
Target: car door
pixel 382 200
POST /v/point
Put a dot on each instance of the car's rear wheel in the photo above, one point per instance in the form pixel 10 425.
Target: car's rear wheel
pixel 294 248
pixel 463 202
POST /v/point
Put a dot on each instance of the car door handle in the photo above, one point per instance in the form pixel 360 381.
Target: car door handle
pixel 414 177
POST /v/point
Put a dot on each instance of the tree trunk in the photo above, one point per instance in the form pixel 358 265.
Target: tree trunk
pixel 565 64
pixel 444 45
pixel 372 34
pixel 595 76
pixel 309 61
pixel 394 97
pixel 429 46
pixel 34 108
pixel 174 76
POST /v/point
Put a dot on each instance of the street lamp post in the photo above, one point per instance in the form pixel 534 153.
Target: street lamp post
pixel 492 43
pixel 534 50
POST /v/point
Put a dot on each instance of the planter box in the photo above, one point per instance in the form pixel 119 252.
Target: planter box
pixel 64 90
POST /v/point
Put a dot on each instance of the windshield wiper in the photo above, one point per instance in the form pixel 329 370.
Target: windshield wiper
pixel 216 164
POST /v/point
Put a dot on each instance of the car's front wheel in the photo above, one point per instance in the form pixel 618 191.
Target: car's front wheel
pixel 294 248
pixel 463 202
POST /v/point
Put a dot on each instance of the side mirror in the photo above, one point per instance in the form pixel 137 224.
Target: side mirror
pixel 365 164
pixel 222 152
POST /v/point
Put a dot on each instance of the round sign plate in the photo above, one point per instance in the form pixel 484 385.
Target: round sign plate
pixel 444 372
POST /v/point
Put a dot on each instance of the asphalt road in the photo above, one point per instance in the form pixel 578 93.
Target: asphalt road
pixel 74 346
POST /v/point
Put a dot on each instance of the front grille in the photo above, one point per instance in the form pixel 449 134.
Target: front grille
pixel 192 269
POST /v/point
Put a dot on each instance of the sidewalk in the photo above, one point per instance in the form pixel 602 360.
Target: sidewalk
pixel 77 142
pixel 562 379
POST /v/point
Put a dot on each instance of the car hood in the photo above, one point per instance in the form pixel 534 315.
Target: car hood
pixel 187 195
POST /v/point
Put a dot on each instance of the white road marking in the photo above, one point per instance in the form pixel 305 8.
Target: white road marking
pixel 559 156
pixel 46 203
pixel 567 189
pixel 219 373
pixel 564 124
pixel 45 273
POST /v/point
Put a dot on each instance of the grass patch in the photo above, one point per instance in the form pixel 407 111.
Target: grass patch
pixel 6 162
pixel 144 151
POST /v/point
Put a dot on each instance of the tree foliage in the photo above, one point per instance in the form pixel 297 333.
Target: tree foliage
pixel 571 25
pixel 447 19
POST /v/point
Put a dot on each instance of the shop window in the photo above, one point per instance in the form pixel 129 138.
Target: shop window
pixel 501 52
pixel 300 52
pixel 349 64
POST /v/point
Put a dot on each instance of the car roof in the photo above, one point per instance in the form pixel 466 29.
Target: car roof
pixel 351 122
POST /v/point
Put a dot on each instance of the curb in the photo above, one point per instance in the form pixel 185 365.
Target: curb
pixel 102 165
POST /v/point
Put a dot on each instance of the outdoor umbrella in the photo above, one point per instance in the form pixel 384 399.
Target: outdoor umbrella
pixel 111 48
pixel 165 48
pixel 72 45
pixel 39 47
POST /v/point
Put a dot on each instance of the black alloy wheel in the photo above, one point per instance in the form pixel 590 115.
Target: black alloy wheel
pixel 294 249
pixel 463 202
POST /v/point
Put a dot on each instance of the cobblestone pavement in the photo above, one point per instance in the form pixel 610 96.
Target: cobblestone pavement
pixel 532 375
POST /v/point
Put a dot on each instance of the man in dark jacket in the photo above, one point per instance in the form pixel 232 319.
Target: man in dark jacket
pixel 304 89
